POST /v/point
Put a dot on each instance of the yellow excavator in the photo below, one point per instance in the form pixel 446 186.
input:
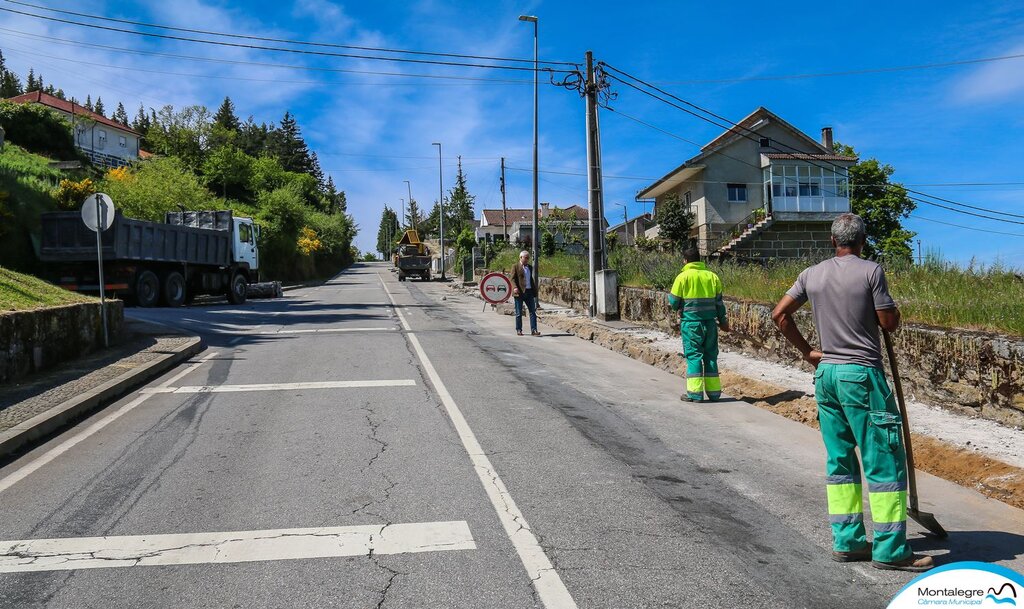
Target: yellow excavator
pixel 412 257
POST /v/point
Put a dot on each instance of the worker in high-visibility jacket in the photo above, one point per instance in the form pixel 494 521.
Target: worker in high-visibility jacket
pixel 697 295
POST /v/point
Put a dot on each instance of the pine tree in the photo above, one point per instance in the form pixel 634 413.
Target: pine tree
pixel 120 115
pixel 88 102
pixel 316 171
pixel 413 215
pixel 60 94
pixel 459 211
pixel 30 81
pixel 98 108
pixel 287 145
pixel 50 90
pixel 141 121
pixel 10 84
pixel 252 138
pixel 387 233
pixel 226 118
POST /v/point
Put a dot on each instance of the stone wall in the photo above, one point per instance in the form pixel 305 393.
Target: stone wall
pixel 786 239
pixel 31 341
pixel 975 373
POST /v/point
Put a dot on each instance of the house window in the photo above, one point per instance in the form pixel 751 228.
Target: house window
pixel 737 193
pixel 122 141
pixel 765 142
pixel 811 188
pixel 102 139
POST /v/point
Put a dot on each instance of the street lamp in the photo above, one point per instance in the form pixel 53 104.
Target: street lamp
pixel 536 214
pixel 440 203
pixel 625 223
pixel 409 186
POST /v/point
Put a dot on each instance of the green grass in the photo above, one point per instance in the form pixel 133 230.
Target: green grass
pixel 935 293
pixel 20 292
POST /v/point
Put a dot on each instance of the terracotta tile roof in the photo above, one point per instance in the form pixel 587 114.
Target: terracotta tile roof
pixel 64 105
pixel 801 156
pixel 493 216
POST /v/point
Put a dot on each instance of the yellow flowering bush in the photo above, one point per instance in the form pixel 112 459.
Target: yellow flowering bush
pixel 119 174
pixel 309 242
pixel 70 194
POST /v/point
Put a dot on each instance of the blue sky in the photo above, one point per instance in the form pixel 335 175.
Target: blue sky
pixel 936 126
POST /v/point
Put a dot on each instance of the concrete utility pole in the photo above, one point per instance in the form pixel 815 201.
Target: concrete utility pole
pixel 536 199
pixel 401 221
pixel 504 210
pixel 604 291
pixel 440 203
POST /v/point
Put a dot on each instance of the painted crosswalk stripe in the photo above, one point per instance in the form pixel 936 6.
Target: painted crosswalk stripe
pixel 232 546
pixel 281 386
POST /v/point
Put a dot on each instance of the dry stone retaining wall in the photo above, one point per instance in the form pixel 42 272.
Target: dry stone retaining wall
pixel 971 372
pixel 31 341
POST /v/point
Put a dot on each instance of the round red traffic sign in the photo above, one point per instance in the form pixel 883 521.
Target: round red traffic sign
pixel 495 288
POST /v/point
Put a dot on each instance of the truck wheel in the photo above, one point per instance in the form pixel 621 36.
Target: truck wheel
pixel 425 276
pixel 401 276
pixel 174 292
pixel 147 289
pixel 238 288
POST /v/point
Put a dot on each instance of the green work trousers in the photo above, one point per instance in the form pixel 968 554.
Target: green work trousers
pixel 856 409
pixel 700 346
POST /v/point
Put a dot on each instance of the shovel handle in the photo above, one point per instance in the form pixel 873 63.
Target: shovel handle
pixel 911 476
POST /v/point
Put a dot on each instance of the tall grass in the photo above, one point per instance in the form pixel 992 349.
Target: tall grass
pixel 939 293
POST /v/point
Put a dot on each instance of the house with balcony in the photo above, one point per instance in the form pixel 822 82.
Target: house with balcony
pixel 761 190
pixel 105 141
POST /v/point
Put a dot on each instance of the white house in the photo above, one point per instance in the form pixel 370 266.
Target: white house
pixel 105 141
pixel 516 225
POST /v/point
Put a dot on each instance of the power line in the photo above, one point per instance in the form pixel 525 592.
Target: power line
pixel 731 126
pixel 980 230
pixel 282 49
pixel 923 66
pixel 277 80
pixel 251 63
pixel 278 40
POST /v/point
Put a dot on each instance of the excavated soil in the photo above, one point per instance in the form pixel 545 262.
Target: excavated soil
pixel 986 475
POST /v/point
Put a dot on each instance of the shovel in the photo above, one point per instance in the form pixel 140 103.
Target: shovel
pixel 925 519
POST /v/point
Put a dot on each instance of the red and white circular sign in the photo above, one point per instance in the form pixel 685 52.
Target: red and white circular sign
pixel 495 288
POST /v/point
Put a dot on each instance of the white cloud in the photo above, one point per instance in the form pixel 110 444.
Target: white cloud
pixel 993 82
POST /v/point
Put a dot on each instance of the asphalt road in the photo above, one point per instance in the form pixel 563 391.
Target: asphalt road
pixel 370 443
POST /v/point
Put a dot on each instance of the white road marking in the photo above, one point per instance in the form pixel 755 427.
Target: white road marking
pixel 30 467
pixel 281 386
pixel 546 581
pixel 232 546
pixel 235 341
pixel 325 330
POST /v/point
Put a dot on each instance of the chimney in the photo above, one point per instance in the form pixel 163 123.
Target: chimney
pixel 545 209
pixel 826 137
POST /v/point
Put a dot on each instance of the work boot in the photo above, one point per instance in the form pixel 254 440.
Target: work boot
pixel 915 563
pixel 854 556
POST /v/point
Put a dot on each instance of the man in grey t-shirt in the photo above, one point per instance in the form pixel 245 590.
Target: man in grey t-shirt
pixel 850 300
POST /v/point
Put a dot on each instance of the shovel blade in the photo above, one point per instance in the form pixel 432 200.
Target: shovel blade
pixel 928 521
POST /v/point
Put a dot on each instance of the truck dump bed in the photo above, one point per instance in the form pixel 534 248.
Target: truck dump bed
pixel 65 238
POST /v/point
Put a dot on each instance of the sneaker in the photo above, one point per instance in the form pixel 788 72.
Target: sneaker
pixel 535 333
pixel 854 556
pixel 915 563
pixel 519 332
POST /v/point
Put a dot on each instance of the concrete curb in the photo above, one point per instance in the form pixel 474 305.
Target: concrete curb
pixel 71 410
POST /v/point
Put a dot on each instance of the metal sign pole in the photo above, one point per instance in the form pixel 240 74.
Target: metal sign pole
pixel 99 262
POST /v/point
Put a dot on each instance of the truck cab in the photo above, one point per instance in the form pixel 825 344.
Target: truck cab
pixel 245 252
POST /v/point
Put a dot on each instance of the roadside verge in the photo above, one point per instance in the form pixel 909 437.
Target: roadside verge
pixel 59 402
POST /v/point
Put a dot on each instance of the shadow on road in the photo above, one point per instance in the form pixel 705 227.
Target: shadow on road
pixel 984 546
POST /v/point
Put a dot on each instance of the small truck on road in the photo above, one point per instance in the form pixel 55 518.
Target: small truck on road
pixel 413 257
pixel 151 263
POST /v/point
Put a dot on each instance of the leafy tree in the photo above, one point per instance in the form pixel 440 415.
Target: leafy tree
pixel 59 94
pixel 883 205
pixel 674 220
pixel 157 186
pixel 387 233
pixel 547 244
pixel 98 108
pixel 229 166
pixel 184 134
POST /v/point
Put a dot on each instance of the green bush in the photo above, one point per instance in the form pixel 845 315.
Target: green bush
pixel 156 187
pixel 26 183
pixel 38 129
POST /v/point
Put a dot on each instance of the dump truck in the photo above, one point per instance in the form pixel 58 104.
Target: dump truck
pixel 154 263
pixel 412 257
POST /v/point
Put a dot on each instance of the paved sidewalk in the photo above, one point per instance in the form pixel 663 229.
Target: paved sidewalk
pixel 137 355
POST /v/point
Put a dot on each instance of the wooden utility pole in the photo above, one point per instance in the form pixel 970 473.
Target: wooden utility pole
pixel 504 211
